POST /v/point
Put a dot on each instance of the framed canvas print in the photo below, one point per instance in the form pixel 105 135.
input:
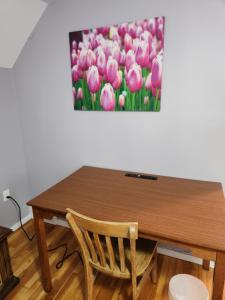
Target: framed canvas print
pixel 118 67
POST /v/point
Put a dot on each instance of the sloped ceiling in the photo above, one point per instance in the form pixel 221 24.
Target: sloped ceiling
pixel 17 20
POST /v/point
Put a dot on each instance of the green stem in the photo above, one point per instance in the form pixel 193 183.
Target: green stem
pixel 133 101
pixel 83 90
pixel 157 99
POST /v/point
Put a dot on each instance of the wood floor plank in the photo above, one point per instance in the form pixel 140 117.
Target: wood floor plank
pixel 68 282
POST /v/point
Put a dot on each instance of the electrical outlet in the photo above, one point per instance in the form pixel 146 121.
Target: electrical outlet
pixel 5 194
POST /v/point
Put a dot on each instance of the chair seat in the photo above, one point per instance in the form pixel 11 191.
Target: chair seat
pixel 145 250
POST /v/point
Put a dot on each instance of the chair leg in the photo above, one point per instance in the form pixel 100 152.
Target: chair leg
pixel 134 288
pixel 154 272
pixel 89 283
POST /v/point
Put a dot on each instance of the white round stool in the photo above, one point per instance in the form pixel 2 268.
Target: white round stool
pixel 187 287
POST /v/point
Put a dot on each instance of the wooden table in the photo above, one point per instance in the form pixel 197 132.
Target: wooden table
pixel 187 213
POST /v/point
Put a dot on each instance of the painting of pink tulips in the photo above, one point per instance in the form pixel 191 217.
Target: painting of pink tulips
pixel 118 67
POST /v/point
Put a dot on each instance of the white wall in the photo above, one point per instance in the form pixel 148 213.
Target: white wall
pixel 12 161
pixel 186 139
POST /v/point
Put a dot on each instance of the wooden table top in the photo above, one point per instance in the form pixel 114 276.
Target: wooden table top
pixel 182 210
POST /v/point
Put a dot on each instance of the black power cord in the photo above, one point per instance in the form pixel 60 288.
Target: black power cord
pixel 64 245
pixel 20 218
pixel 65 255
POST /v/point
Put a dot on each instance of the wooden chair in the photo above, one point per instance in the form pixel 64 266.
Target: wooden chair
pixel 114 249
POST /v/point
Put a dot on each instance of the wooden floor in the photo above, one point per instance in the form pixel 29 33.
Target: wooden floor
pixel 68 281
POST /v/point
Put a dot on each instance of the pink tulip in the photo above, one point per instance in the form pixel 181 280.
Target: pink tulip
pixel 91 58
pixel 122 60
pixel 80 46
pixel 92 40
pixel 117 38
pixel 152 26
pixel 98 50
pixel 142 54
pixel 101 62
pixel 86 31
pixel 160 55
pixel 107 46
pixel 122 29
pixel 82 59
pixel 80 93
pixel 115 51
pixel 111 69
pixel 87 45
pixel 74 57
pixel 161 20
pixel 145 24
pixel 153 54
pixel 146 36
pixel 148 86
pixel 139 31
pixel 132 30
pixel 99 38
pixel 160 44
pixel 76 73
pixel 156 77
pixel 136 43
pixel 121 100
pixel 128 43
pixel 156 92
pixel 103 30
pixel 130 59
pixel 93 79
pixel 74 45
pixel 160 32
pixel 107 98
pixel 140 23
pixel 148 82
pixel 117 82
pixel 134 78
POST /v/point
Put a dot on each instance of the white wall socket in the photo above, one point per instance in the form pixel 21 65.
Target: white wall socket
pixel 5 194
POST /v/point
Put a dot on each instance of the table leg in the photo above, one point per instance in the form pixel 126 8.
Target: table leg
pixel 43 250
pixel 206 264
pixel 219 276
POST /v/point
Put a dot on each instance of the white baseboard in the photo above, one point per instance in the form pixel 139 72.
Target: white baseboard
pixel 24 220
pixel 181 255
pixel 57 221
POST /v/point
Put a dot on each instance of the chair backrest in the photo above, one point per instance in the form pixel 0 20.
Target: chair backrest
pixel 95 240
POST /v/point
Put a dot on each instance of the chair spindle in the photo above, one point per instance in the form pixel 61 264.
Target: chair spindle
pixel 100 249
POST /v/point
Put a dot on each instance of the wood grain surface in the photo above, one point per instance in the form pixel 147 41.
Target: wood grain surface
pixel 190 211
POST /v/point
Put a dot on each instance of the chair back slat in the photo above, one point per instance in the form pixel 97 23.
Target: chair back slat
pixel 121 254
pixel 100 250
pixel 110 252
pixel 113 229
pixel 90 245
pixel 96 239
